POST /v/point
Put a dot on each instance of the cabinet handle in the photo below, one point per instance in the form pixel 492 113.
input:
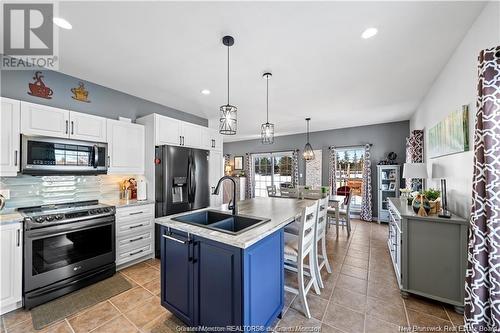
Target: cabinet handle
pixel 175 239
pixel 72 127
pixel 18 237
pixel 136 226
pixel 135 213
pixel 136 239
pixel 183 140
pixel 66 127
pixel 15 157
pixel 136 252
pixel 109 159
pixel 180 140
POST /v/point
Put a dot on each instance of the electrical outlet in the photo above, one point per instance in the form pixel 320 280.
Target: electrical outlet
pixel 5 194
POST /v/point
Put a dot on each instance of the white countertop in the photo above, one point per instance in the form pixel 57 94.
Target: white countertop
pixel 12 217
pixel 280 211
pixel 122 203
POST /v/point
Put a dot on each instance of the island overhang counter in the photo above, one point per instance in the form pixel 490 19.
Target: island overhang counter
pixel 214 279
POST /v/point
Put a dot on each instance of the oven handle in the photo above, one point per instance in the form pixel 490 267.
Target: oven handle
pixel 64 228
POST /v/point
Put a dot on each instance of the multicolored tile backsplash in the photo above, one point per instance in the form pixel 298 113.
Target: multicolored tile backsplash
pixel 28 191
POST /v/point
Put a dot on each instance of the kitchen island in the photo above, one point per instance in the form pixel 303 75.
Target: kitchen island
pixel 216 279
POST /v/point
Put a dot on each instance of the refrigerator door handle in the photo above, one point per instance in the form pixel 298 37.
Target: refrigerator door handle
pixel 189 180
pixel 193 176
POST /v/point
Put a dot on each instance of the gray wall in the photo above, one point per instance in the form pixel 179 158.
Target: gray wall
pixel 105 102
pixel 384 137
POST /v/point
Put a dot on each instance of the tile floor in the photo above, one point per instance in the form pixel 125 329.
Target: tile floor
pixel 361 295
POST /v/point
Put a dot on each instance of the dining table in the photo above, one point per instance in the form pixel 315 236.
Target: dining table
pixel 334 201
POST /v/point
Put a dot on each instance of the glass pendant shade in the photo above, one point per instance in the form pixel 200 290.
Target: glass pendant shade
pixel 308 149
pixel 267 129
pixel 308 152
pixel 228 112
pixel 228 119
pixel 267 133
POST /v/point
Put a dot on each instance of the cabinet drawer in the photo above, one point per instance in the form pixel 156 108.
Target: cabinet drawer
pixel 135 212
pixel 133 253
pixel 124 244
pixel 134 226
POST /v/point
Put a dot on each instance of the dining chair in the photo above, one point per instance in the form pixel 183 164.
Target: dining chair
pixel 322 258
pixel 297 248
pixel 345 191
pixel 289 192
pixel 344 214
pixel 271 190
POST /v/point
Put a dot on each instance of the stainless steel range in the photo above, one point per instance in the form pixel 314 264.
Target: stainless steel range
pixel 66 247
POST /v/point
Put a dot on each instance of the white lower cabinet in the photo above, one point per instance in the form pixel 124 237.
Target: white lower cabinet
pixel 134 233
pixel 11 263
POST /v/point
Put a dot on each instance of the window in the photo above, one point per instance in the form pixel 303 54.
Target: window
pixel 271 169
pixel 350 164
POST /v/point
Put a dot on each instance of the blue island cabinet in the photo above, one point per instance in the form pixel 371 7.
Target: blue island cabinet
pixel 211 284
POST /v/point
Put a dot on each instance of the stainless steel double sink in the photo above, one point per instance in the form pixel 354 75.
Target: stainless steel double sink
pixel 220 221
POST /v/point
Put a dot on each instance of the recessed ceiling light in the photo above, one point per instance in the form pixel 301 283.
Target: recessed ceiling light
pixel 369 33
pixel 205 92
pixel 62 23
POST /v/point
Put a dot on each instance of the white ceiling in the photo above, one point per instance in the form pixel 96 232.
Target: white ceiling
pixel 167 52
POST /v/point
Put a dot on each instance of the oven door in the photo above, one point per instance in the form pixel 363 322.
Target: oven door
pixel 46 156
pixel 56 253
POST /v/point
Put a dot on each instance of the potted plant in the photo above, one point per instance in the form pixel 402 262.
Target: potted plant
pixel 434 197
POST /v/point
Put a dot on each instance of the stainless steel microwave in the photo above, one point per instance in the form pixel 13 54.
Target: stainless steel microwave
pixel 53 156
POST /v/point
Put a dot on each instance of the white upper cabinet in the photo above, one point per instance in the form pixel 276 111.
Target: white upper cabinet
pixel 211 139
pixel 9 137
pixel 87 127
pixel 215 140
pixel 167 131
pixel 191 135
pixel 125 147
pixel 48 121
pixel 11 261
pixel 44 120
pixel 206 139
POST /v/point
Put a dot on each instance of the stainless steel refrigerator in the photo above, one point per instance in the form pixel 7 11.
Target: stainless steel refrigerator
pixel 181 182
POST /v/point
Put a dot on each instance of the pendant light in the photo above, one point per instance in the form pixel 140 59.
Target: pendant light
pixel 308 150
pixel 267 129
pixel 228 112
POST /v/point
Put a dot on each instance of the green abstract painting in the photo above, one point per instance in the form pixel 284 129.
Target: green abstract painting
pixel 451 135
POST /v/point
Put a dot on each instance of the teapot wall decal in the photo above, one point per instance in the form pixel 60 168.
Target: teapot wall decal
pixel 38 88
pixel 80 93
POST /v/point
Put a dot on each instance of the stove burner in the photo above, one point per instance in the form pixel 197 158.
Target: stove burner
pixel 40 216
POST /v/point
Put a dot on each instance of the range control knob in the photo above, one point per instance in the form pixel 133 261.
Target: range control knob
pixel 49 218
pixel 39 219
pixel 59 216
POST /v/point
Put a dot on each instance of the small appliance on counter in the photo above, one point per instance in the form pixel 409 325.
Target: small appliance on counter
pixel 141 188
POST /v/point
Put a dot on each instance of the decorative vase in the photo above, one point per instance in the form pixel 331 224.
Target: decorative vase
pixel 435 206
pixel 421 205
